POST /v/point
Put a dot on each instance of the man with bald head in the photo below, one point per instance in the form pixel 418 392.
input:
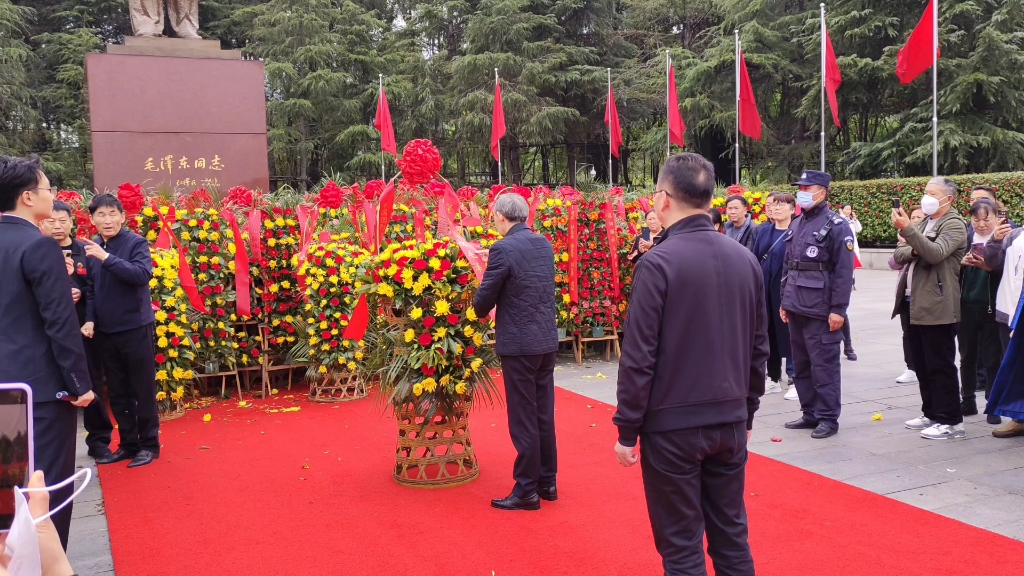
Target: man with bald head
pixel 934 249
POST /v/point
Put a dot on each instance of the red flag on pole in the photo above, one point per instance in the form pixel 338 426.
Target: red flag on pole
pixel 497 123
pixel 917 55
pixel 383 123
pixel 676 126
pixel 750 119
pixel 833 78
pixel 611 118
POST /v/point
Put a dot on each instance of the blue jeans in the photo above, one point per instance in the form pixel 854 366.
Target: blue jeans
pixel 790 370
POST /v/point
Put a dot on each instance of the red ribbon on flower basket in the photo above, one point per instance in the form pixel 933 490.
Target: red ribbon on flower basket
pixel 359 321
pixel 243 299
pixel 574 253
pixel 613 248
pixel 419 219
pixel 188 282
pixel 370 216
pixel 385 207
pixel 448 208
pixel 255 226
pixel 645 204
pixel 163 241
pixel 617 195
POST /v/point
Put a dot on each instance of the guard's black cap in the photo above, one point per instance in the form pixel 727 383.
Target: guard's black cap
pixel 814 178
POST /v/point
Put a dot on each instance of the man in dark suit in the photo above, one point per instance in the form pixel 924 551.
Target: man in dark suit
pixel 120 318
pixel 95 417
pixel 520 280
pixel 691 377
pixel 40 342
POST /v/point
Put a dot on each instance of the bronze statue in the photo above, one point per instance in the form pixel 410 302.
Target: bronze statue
pixel 148 17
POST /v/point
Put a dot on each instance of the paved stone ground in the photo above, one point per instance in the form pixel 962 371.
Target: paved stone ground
pixel 978 480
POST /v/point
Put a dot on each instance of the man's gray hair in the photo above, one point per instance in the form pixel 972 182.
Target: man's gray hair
pixel 513 207
pixel 947 185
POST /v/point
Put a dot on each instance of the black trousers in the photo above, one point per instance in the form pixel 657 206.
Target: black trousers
pixel 98 426
pixel 694 483
pixel 530 397
pixel 905 325
pixel 847 336
pixel 934 351
pixel 818 376
pixel 1004 337
pixel 978 336
pixel 55 426
pixel 128 365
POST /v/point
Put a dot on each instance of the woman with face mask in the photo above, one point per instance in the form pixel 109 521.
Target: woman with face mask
pixel 978 334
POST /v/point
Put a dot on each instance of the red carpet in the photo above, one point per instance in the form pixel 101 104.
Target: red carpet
pixel 235 497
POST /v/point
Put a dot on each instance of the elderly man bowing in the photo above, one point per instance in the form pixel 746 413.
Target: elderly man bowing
pixel 520 280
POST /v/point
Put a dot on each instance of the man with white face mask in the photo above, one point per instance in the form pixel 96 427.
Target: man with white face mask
pixel 934 250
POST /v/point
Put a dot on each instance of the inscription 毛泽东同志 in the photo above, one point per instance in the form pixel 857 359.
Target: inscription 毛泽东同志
pixel 172 164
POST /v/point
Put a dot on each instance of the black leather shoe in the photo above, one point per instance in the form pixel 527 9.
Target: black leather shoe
pixel 851 355
pixel 142 458
pixel 513 502
pixel 115 457
pixel 824 431
pixel 969 407
pixel 993 419
pixel 549 494
pixel 801 424
pixel 100 452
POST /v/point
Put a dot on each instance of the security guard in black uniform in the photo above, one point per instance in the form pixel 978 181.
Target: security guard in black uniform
pixel 815 294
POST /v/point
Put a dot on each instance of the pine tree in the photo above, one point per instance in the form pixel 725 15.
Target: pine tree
pixel 17 104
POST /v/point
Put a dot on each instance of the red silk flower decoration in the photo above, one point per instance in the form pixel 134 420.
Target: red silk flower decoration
pixel 199 198
pixel 70 198
pixel 495 190
pixel 131 198
pixel 239 197
pixel 735 190
pixel 541 192
pixel 435 189
pixel 332 196
pixel 420 162
pixel 523 191
pixel 467 193
pixel 373 189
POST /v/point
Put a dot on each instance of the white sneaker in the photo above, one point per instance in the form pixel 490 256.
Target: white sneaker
pixel 944 432
pixel 919 423
pixel 772 388
pixel 907 377
pixel 791 393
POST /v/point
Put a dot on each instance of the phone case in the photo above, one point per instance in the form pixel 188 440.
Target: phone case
pixel 29 426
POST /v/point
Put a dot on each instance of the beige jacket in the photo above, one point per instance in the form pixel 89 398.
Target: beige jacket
pixel 935 288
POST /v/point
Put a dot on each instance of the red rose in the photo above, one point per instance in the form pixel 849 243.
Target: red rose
pixel 463 279
pixel 171 316
pixel 470 351
pixel 420 265
pixel 425 339
pixel 326 335
pixel 208 333
pixel 255 353
pixel 446 265
pixel 220 312
pixel 207 290
pixel 335 302
pixel 201 248
pixel 160 358
pixel 438 276
pixel 453 319
pixel 427 370
pixel 420 161
pixel 429 322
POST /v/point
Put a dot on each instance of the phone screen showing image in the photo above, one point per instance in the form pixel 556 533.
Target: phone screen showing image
pixel 978 250
pixel 15 449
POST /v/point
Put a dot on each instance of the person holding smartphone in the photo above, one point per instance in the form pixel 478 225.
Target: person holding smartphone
pixel 647 238
pixel 40 342
pixel 98 427
pixel 978 334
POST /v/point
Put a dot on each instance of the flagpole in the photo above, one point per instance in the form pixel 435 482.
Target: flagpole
pixel 935 89
pixel 383 176
pixel 611 181
pixel 499 139
pixel 668 112
pixel 824 80
pixel 737 106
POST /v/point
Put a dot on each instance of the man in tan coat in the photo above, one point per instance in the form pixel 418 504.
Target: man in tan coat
pixel 933 251
pixel 148 17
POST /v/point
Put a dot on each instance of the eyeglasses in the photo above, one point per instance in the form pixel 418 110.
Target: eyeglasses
pixel 52 189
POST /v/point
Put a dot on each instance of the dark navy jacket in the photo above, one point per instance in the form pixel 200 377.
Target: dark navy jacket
pixel 120 284
pixel 696 335
pixel 520 280
pixel 40 341
pixel 80 278
pixel 818 273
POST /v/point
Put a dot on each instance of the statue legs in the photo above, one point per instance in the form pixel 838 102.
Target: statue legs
pixel 148 17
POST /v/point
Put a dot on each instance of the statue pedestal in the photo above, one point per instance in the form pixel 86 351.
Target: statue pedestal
pixel 177 114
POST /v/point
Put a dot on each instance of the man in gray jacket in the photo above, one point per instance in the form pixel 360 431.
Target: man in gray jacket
pixel 933 250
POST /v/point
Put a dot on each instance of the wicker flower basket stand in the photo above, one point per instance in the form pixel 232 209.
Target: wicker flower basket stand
pixel 437 453
pixel 171 410
pixel 338 387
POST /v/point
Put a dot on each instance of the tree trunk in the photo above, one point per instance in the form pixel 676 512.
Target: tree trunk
pixel 570 160
pixel 545 165
pixel 303 158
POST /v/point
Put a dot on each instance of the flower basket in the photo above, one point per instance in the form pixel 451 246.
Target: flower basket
pixel 434 451
pixel 338 386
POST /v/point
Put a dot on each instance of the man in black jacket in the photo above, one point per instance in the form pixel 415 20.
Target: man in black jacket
pixel 95 417
pixel 120 317
pixel 40 344
pixel 520 280
pixel 691 377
